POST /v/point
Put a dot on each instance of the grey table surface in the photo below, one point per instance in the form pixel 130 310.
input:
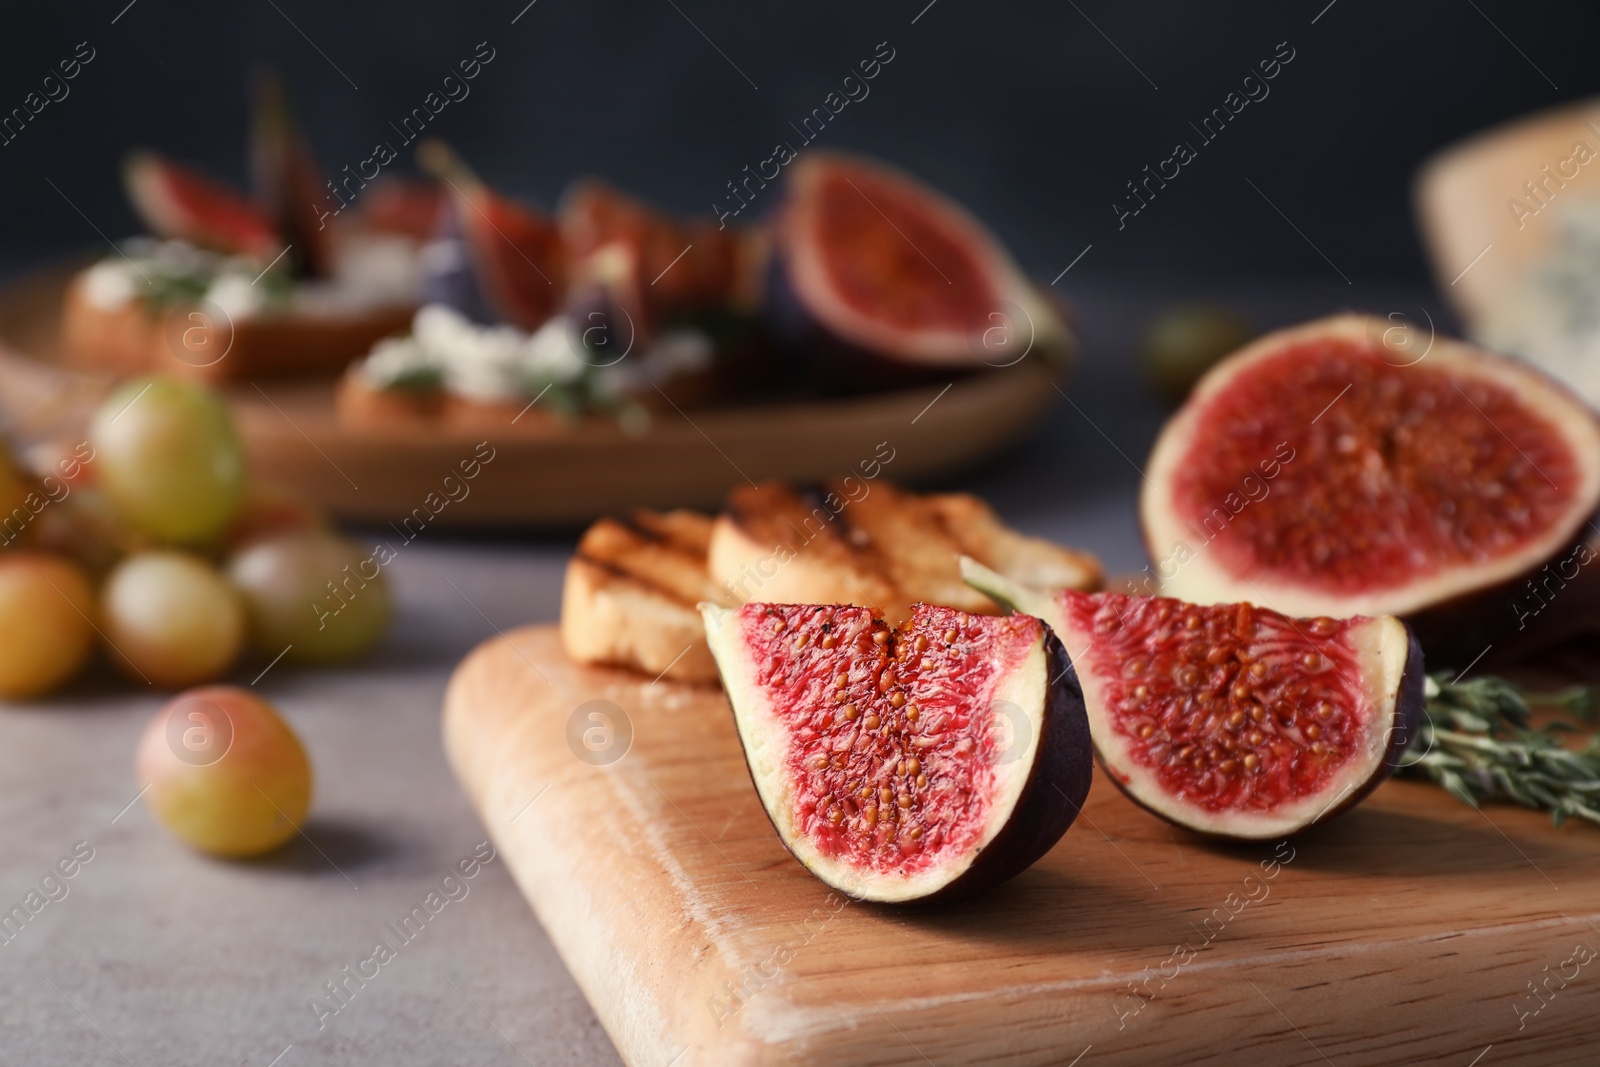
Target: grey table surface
pixel 160 956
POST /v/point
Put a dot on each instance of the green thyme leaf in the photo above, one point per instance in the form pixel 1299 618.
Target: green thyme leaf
pixel 172 290
pixel 1477 741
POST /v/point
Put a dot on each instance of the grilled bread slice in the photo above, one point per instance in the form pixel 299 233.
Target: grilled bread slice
pixel 630 595
pixel 873 544
pixel 133 339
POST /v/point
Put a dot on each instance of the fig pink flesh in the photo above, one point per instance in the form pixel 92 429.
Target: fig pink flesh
pixel 890 257
pixel 1393 471
pixel 891 744
pixel 182 203
pixel 517 253
pixel 1234 708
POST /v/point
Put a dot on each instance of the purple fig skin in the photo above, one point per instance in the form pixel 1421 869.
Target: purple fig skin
pixel 1458 631
pixel 1410 707
pixel 855 346
pixel 748 360
pixel 834 364
pixel 287 180
pixel 842 368
pixel 454 283
pixel 625 330
pixel 1057 785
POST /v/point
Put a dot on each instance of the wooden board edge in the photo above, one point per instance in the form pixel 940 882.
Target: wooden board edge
pixel 496 758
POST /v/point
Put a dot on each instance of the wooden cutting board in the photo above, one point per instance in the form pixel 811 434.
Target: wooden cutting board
pixel 1406 932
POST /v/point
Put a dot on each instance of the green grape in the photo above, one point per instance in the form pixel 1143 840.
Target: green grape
pixel 171 619
pixel 320 596
pixel 45 632
pixel 169 458
pixel 1186 340
pixel 224 772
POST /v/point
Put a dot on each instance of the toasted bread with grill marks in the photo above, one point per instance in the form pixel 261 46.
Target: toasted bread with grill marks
pixel 630 595
pixel 135 339
pixel 873 544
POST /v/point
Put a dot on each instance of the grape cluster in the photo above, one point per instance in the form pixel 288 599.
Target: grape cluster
pixel 149 538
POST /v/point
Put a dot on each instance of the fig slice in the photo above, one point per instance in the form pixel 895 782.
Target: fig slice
pixel 515 251
pixel 1233 720
pixel 403 206
pixel 1349 466
pixel 886 266
pixel 912 763
pixel 289 183
pixel 179 203
pixel 675 269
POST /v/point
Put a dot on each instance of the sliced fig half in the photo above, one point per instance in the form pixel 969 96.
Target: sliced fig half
pixel 179 203
pixel 1233 720
pixel 1343 467
pixel 891 269
pixel 289 183
pixel 912 763
pixel 516 251
pixel 403 206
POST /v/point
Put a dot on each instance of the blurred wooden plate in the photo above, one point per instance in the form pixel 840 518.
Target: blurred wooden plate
pixel 1479 241
pixel 541 479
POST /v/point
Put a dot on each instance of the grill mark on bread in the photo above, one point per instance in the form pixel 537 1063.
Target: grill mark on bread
pixel 649 549
pixel 621 573
pixel 673 528
pixel 886 547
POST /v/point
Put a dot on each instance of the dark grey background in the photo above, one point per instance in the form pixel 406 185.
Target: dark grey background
pixel 1025 111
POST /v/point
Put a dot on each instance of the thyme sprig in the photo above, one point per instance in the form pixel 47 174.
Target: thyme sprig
pixel 1478 741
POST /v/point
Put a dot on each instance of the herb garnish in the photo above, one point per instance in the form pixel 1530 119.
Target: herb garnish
pixel 1477 740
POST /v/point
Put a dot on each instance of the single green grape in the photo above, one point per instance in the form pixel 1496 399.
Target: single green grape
pixel 169 458
pixel 1184 341
pixel 171 619
pixel 45 630
pixel 320 596
pixel 224 772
